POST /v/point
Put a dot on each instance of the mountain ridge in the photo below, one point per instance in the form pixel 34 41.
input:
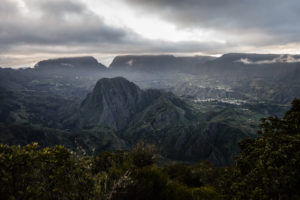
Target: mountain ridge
pixel 70 63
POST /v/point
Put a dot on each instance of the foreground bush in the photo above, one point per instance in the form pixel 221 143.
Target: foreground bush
pixel 50 173
pixel 268 166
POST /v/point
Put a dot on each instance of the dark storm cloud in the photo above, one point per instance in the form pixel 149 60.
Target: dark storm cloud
pixel 278 19
pixel 68 26
pixel 54 22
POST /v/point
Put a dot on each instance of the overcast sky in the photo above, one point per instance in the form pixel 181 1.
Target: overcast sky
pixel 33 30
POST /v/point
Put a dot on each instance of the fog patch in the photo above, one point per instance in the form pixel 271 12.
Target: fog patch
pixel 279 59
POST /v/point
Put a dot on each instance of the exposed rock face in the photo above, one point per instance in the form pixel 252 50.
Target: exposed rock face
pixel 117 102
pixel 112 103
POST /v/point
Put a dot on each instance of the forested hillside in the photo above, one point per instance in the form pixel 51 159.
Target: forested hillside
pixel 267 168
pixel 200 115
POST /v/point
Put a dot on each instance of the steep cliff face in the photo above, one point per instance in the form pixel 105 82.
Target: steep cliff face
pixel 112 103
pixel 117 103
pixel 83 64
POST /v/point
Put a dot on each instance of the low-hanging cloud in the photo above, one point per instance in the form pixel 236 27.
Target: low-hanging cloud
pixel 279 59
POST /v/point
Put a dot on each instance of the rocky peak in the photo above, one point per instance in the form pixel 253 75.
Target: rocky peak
pixel 112 103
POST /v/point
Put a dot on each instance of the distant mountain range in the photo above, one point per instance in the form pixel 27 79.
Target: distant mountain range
pixel 155 63
pixel 191 108
pixel 75 63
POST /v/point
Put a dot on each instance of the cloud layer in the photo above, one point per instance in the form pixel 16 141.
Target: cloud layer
pixel 39 28
pixel 55 22
pixel 279 59
pixel 266 21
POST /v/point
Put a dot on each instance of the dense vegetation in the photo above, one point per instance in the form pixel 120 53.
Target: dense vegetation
pixel 57 173
pixel 267 168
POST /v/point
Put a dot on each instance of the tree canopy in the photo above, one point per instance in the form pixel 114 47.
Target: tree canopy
pixel 268 166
